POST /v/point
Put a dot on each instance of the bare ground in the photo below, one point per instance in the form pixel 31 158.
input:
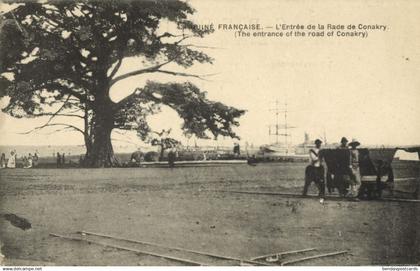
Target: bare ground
pixel 179 207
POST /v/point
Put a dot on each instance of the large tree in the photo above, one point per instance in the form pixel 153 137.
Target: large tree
pixel 60 59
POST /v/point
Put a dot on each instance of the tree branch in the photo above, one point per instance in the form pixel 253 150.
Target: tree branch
pixel 53 124
pixel 53 115
pixel 150 69
pixel 57 115
pixel 116 68
pixel 67 90
pixel 59 130
pixel 156 69
pixel 184 74
pixel 167 35
pixel 123 101
pixel 184 37
pixel 202 46
pixel 137 72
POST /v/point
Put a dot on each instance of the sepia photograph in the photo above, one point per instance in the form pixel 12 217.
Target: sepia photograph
pixel 175 133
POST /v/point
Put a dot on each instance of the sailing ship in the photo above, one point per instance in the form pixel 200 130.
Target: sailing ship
pixel 279 133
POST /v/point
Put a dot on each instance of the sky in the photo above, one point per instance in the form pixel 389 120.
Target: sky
pixel 362 88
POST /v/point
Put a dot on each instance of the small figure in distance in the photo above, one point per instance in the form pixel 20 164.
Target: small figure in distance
pixel 236 150
pixel 171 158
pixel 81 160
pixel 58 160
pixel 35 159
pixel 25 162
pixel 30 161
pixel 11 163
pixel 3 160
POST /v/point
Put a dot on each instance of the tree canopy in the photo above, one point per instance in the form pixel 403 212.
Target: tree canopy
pixel 61 58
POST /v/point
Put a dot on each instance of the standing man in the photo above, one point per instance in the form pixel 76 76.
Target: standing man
pixel 343 144
pixel 35 159
pixel 236 149
pixel 342 176
pixel 171 158
pixel 58 160
pixel 3 161
pixel 315 171
pixel 355 170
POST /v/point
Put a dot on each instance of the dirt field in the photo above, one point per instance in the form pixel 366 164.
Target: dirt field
pixel 177 207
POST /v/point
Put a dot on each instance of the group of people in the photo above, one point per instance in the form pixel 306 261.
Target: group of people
pixel 61 159
pixel 11 162
pixel 315 171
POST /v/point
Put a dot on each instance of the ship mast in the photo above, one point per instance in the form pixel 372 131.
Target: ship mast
pixel 278 127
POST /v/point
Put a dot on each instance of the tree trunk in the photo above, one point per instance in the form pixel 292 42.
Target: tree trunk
pixel 100 152
pixel 88 146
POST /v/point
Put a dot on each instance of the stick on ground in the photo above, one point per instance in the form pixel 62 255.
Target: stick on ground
pixel 174 248
pixel 292 195
pixel 129 249
pixel 314 257
pixel 283 253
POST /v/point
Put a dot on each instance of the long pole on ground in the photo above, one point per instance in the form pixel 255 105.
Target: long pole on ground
pixel 314 257
pixel 129 249
pixel 173 248
pixel 310 196
pixel 283 253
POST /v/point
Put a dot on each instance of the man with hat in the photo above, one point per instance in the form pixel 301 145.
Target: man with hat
pixel 315 171
pixel 343 171
pixel 344 142
pixel 354 166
